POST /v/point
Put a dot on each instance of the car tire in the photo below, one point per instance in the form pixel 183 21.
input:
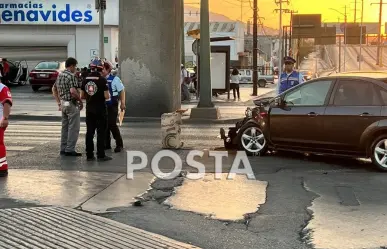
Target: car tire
pixel 379 153
pixel 35 88
pixel 262 83
pixel 259 142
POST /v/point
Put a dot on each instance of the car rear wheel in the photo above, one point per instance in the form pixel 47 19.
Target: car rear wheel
pixel 379 153
pixel 35 88
pixel 252 140
pixel 262 83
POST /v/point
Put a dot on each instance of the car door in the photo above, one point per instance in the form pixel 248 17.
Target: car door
pixel 299 122
pixel 13 71
pixel 354 106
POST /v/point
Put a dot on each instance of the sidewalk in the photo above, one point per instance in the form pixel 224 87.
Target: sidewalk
pixel 61 193
pixel 43 108
pixel 55 227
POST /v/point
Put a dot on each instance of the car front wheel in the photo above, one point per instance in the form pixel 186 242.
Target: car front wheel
pixel 252 140
pixel 379 153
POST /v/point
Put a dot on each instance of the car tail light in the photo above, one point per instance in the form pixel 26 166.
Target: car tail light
pixel 54 74
pixel 32 74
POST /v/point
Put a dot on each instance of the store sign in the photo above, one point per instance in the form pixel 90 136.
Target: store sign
pixel 41 13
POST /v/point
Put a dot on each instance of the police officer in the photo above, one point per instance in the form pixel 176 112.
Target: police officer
pixel 96 92
pixel 117 93
pixel 290 77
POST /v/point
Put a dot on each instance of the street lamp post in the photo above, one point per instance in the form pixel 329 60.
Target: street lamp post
pixel 101 7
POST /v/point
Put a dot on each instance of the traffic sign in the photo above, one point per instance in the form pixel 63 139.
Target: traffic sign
pixel 94 53
pixel 196 47
pixel 106 39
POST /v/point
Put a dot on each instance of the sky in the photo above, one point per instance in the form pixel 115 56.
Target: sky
pixel 232 9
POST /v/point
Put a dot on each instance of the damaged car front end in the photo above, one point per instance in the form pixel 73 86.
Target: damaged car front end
pixel 248 134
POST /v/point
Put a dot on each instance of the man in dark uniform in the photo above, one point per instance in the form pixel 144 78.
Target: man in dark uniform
pixel 96 92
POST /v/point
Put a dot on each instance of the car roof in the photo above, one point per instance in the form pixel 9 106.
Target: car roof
pixel 363 74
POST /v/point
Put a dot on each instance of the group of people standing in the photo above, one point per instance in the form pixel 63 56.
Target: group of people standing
pixel 103 92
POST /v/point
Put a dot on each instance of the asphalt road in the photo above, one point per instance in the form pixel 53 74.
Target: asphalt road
pixel 311 202
pixel 295 184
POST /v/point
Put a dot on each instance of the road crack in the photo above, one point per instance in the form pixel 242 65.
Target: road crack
pixel 305 234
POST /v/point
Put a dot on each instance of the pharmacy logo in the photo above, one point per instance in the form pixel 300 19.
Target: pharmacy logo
pixel 38 12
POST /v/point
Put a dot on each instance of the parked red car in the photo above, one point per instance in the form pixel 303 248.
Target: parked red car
pixel 45 74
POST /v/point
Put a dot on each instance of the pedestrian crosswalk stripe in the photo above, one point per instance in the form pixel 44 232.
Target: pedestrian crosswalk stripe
pixel 27 139
pixel 19 148
pixel 23 136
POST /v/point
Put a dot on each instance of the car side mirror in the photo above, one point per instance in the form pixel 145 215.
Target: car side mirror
pixel 278 101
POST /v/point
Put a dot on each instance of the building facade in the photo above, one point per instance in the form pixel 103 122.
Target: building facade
pixel 56 29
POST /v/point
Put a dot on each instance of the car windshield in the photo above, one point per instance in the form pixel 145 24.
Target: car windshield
pixel 47 65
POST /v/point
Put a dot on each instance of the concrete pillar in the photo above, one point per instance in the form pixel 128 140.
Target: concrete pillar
pixel 149 56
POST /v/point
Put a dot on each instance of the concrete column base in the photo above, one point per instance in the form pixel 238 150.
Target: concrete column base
pixel 205 113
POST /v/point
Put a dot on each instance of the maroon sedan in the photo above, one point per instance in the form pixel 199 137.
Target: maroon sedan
pixel 45 74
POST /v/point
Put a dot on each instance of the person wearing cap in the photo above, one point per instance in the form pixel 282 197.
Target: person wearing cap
pixel 96 92
pixel 117 93
pixel 290 77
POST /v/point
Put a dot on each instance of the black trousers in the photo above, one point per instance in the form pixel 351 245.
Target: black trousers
pixel 235 88
pixel 113 127
pixel 96 122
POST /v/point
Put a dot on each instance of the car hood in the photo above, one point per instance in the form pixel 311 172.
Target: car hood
pixel 265 98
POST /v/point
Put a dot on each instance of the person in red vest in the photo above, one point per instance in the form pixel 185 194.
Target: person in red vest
pixel 5 110
pixel 5 70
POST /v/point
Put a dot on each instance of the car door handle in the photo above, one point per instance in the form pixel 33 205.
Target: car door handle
pixel 312 114
pixel 365 114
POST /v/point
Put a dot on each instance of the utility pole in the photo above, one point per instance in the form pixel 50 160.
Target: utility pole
pixel 290 29
pixel 280 2
pixel 361 34
pixel 182 38
pixel 286 40
pixel 255 48
pixel 100 5
pixel 345 34
pixel 378 54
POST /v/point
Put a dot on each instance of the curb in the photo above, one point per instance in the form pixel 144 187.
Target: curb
pixel 21 117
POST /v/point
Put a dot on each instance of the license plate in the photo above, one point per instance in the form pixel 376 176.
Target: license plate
pixel 43 75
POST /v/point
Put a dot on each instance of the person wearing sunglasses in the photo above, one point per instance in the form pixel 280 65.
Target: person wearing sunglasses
pixel 290 77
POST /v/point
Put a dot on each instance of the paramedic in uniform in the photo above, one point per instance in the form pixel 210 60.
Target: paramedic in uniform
pixel 117 94
pixel 96 92
pixel 290 77
pixel 5 109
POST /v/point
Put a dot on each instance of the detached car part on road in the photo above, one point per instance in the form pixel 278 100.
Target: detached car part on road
pixel 343 115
